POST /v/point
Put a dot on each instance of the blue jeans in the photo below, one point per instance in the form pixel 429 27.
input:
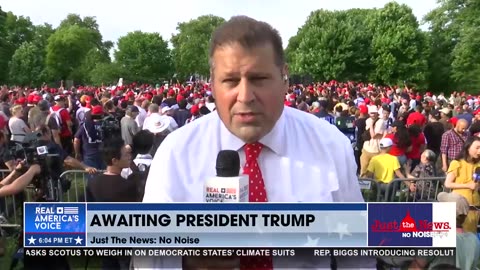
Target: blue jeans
pixel 402 160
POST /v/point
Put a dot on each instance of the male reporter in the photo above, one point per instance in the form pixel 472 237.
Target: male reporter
pixel 300 158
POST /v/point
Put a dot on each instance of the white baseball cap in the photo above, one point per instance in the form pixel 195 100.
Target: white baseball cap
pixel 372 109
pixel 385 143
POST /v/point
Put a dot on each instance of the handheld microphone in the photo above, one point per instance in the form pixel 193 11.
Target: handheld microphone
pixel 476 175
pixel 228 185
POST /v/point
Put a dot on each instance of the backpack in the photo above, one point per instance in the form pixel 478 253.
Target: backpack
pixel 366 134
pixel 139 175
pixel 57 117
pixel 345 124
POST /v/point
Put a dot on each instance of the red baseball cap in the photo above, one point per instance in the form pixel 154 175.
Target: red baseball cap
pixel 97 110
pixel 363 109
pixel 21 101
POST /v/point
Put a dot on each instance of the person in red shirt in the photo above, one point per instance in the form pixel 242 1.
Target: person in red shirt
pixel 418 144
pixel 401 142
pixel 416 117
pixel 65 122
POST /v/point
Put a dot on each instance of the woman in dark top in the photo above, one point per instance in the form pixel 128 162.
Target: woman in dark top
pixel 360 126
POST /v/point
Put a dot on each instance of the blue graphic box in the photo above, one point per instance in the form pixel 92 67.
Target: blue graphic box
pixel 389 222
pixel 54 224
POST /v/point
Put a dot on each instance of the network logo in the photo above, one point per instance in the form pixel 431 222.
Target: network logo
pixel 409 227
pixel 394 224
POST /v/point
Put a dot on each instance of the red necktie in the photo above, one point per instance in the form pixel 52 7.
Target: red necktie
pixel 257 193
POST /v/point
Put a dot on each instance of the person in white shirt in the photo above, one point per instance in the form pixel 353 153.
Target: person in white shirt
pixel 142 114
pixel 210 103
pixel 301 158
pixel 168 112
pixel 153 112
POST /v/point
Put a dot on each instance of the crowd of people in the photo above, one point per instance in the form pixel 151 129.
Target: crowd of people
pixel 130 131
pixel 396 132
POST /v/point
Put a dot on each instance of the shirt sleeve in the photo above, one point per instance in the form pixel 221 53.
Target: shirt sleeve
pixel 422 139
pixel 444 143
pixel 454 166
pixel 348 185
pixel 396 164
pixel 78 134
pixel 371 166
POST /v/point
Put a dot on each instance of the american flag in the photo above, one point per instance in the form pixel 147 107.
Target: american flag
pixel 70 210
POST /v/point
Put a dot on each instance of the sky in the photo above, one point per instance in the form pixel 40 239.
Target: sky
pixel 117 18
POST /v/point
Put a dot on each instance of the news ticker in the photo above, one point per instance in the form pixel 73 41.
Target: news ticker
pixel 243 252
pixel 237 225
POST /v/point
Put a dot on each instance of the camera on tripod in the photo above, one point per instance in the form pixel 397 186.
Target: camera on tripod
pixel 48 184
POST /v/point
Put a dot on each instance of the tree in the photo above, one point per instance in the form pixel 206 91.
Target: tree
pixel 93 57
pixel 27 65
pixel 332 45
pixel 466 59
pixel 87 22
pixel 42 33
pixel 75 48
pixel 66 50
pixel 106 73
pixel 443 36
pixel 191 45
pixel 3 48
pixel 399 48
pixel 145 57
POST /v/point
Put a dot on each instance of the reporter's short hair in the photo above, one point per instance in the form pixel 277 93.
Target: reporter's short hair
pixel 112 150
pixel 249 33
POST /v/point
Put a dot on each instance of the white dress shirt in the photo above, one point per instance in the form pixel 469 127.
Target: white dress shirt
pixel 305 159
pixel 142 114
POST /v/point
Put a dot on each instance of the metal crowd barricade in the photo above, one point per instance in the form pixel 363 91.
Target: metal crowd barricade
pixel 78 185
pixel 368 188
pixel 11 206
pixel 426 189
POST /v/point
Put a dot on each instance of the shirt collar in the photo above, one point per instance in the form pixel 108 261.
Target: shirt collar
pixel 273 140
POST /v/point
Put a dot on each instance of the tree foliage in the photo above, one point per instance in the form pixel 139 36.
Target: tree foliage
pixel 66 50
pixel 16 30
pixel 332 45
pixel 106 73
pixel 384 45
pixel 145 57
pixel 399 47
pixel 3 48
pixel 191 45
